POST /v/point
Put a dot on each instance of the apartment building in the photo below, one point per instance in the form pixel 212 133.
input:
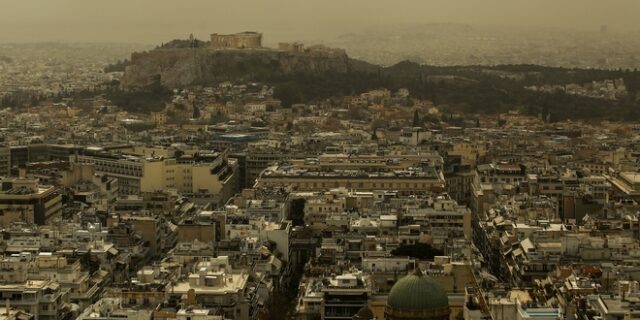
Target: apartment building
pixel 337 297
pixel 42 298
pixel 198 173
pixel 446 219
pixel 127 169
pixel 215 285
pixel 25 154
pixel 407 175
pixel 26 200
pixel 5 161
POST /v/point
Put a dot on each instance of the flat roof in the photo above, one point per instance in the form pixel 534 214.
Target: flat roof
pixel 233 283
pixel 633 177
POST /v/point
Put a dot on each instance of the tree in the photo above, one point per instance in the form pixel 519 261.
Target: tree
pixel 416 118
pixel 418 251
pixel 196 112
pixel 297 211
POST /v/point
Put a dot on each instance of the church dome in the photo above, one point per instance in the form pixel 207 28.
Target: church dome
pixel 419 295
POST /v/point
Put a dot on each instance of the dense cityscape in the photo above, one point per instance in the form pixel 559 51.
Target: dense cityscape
pixel 227 179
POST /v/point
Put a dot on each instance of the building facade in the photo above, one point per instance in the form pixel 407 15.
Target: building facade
pixel 243 40
pixel 408 174
pixel 5 161
pixel 26 200
pixel 203 173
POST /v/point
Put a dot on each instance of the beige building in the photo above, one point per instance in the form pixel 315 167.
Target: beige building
pixel 149 227
pixel 186 177
pixel 469 152
pixel 291 46
pixel 337 297
pixel 42 298
pixel 516 306
pixel 446 219
pixel 216 285
pixel 5 161
pixel 150 170
pixel 626 184
pixel 190 230
pixel 408 174
pixel 68 274
pixel 159 118
pixel 243 40
pixel 26 200
pixel 128 170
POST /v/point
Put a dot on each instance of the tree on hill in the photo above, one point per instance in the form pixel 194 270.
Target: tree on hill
pixel 416 119
pixel 150 99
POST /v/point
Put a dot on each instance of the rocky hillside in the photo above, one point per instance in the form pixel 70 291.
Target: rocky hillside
pixel 176 68
pixel 320 73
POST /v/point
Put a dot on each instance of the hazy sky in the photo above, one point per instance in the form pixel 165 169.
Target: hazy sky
pixel 154 21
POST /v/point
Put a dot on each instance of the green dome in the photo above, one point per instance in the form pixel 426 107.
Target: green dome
pixel 364 314
pixel 417 292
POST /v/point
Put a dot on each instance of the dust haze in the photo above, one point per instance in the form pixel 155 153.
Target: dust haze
pixel 153 21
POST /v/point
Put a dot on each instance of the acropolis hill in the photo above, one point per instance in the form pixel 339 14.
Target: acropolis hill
pixel 231 57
